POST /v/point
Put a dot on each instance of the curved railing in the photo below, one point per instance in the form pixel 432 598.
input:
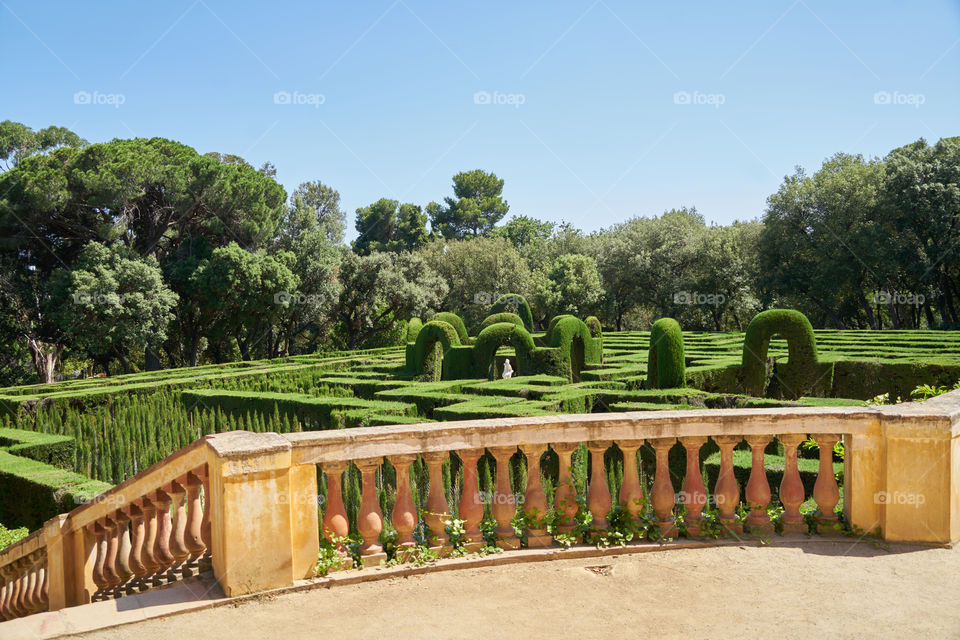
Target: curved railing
pixel 246 504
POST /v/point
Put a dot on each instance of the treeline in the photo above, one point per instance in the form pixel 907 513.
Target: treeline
pixel 143 254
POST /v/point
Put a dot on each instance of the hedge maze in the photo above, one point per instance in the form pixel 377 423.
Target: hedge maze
pixel 74 438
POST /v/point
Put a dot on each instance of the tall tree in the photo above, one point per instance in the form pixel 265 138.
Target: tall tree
pixel 387 225
pixel 18 141
pixel 475 208
pixel 324 202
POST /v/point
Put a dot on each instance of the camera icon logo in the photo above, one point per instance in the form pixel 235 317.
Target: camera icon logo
pixel 281 97
pixel 681 97
pixel 481 97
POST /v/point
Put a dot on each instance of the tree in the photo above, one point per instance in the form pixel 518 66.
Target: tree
pixel 475 208
pixel 478 271
pixel 111 302
pixel 523 231
pixel 324 202
pixel 380 290
pixel 247 313
pixel 387 225
pixel 18 141
pixel 571 285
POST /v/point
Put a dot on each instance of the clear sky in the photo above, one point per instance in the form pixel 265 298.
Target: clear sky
pixel 595 111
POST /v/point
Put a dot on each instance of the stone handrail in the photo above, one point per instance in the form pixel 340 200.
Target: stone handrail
pixel 257 522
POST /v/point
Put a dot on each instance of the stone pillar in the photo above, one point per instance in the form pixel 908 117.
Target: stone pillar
pixel 254 540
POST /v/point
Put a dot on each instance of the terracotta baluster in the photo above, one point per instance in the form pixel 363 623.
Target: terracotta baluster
pixel 193 537
pixel 16 602
pixel 148 555
pixel 758 487
pixel 504 506
pixel 178 537
pixel 404 510
pixel 205 562
pixel 436 509
pixel 535 499
pixel 662 496
pixel 336 524
pixel 471 504
pixel 100 543
pixel 4 593
pixel 631 493
pixel 727 492
pixel 123 552
pixel 565 497
pixel 694 494
pixel 137 535
pixel 369 520
pixel 30 586
pixel 825 490
pixel 112 535
pixel 791 487
pixel 44 586
pixel 37 598
pixel 9 573
pixel 5 589
pixel 598 493
pixel 161 549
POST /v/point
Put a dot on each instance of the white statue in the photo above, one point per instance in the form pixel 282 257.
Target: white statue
pixel 507 369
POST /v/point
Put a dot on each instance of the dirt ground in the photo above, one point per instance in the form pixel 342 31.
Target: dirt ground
pixel 782 591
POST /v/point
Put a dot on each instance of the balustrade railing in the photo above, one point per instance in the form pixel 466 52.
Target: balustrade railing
pixel 247 505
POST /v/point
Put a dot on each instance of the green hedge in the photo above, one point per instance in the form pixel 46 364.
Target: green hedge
pixel 32 492
pixel 666 367
pixel 432 333
pixel 495 336
pixel 800 373
pixel 413 328
pixel 310 412
pixel 51 449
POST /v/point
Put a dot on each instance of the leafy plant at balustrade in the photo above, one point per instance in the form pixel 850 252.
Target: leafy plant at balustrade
pixel 330 558
pixel 10 536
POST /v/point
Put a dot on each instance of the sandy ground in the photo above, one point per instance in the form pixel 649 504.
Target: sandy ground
pixel 784 591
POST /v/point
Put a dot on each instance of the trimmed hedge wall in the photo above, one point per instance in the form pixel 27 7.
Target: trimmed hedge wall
pixel 435 331
pixel 32 492
pixel 800 373
pixel 43 447
pixel 413 328
pixel 666 367
pixel 514 303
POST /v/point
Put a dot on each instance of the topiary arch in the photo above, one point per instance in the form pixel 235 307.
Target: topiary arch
pixel 801 372
pixel 433 333
pixel 512 318
pixel 495 336
pixel 514 303
pixel 666 367
pixel 457 323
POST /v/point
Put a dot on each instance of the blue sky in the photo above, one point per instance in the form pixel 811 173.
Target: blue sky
pixel 598 111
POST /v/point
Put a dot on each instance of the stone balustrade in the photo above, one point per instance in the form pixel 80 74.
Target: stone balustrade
pixel 247 504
